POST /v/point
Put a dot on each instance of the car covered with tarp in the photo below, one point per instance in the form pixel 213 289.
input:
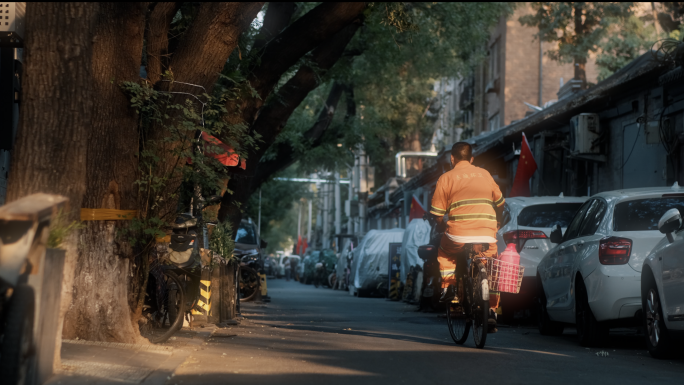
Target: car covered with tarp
pixel 417 234
pixel 371 260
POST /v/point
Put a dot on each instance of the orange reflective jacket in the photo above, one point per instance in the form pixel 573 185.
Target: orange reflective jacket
pixel 468 194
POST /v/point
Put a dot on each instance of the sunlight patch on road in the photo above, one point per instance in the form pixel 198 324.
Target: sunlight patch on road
pixel 535 351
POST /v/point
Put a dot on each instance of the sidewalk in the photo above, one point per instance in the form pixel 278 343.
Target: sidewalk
pixel 87 362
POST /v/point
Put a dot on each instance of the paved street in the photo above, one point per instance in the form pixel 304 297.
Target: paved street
pixel 312 336
pixel 308 335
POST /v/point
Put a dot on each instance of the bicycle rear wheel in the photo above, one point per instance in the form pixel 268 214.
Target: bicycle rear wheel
pixel 249 283
pixel 164 308
pixel 457 320
pixel 480 311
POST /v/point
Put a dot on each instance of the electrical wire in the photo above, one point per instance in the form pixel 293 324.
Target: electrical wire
pixel 633 145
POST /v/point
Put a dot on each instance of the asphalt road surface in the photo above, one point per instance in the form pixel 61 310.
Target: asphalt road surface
pixel 320 336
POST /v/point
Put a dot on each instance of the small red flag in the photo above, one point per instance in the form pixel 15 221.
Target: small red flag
pixel 526 168
pixel 417 210
pixel 299 244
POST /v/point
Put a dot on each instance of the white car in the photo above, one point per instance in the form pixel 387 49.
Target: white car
pixel 592 278
pixel 662 284
pixel 527 223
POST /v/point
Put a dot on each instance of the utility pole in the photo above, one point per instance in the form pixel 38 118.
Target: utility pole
pixel 308 231
pixel 540 99
pixel 363 190
pixel 338 206
pixel 326 215
pixel 299 225
pixel 259 222
pixel 350 221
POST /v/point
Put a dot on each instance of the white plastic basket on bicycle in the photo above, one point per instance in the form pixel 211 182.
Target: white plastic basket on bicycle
pixel 504 276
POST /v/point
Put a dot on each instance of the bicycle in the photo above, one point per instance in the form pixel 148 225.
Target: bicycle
pixel 473 310
pixel 481 276
pixel 164 304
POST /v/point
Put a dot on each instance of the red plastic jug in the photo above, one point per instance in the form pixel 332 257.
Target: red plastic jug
pixel 509 271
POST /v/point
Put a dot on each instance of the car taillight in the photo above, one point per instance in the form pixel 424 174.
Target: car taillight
pixel 614 250
pixel 519 237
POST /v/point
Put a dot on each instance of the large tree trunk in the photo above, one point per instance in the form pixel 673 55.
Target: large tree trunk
pixel 213 36
pixel 157 39
pixel 274 115
pixel 50 152
pixel 102 302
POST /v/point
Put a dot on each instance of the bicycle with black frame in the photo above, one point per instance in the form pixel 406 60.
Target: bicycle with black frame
pixel 472 283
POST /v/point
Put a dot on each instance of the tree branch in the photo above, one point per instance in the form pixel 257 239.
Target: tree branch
pixel 206 46
pixel 277 17
pixel 285 155
pixel 308 32
pixel 157 37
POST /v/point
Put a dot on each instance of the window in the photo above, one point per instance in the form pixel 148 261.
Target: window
pixel 574 226
pixel 644 214
pixel 548 215
pixel 493 68
pixel 246 234
pixel 494 122
pixel 593 218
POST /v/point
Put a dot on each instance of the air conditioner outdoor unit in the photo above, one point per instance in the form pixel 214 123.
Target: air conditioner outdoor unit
pixel 584 131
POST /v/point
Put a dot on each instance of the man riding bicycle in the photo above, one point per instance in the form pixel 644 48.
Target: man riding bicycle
pixel 473 203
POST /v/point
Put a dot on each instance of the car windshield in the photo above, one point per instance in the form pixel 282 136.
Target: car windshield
pixel 246 234
pixel 644 214
pixel 548 215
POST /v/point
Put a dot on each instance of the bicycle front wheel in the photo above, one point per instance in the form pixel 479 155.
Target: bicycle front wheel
pixel 457 320
pixel 480 310
pixel 164 308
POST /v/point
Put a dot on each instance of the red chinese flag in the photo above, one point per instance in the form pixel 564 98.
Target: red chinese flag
pixel 299 244
pixel 417 210
pixel 526 168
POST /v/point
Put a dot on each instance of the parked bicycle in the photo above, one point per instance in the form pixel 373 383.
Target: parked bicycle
pixel 164 304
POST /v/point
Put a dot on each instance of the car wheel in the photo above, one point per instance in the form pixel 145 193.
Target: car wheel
pixel 590 332
pixel 544 323
pixel 657 336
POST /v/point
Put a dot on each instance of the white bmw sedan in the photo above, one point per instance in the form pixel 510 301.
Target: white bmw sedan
pixel 662 286
pixel 527 223
pixel 592 278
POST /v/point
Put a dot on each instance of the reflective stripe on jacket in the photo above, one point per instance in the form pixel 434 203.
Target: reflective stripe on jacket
pixel 468 195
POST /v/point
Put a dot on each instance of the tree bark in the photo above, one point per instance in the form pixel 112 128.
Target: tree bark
pixel 157 38
pixel 206 46
pixel 198 60
pixel 273 117
pixel 56 112
pixel 105 285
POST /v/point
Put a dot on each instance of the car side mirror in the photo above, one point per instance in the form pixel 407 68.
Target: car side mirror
pixel 557 235
pixel 669 223
pixel 426 252
pixel 263 244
